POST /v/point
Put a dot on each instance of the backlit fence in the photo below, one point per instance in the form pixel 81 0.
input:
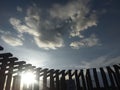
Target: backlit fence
pixel 107 78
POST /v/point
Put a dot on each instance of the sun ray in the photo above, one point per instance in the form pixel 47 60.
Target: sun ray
pixel 27 78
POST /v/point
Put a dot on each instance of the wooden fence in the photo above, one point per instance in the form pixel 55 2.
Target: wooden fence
pixel 107 78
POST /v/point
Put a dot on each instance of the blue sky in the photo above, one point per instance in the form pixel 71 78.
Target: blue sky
pixel 64 34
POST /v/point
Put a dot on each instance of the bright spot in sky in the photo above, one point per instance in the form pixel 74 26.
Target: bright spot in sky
pixel 27 78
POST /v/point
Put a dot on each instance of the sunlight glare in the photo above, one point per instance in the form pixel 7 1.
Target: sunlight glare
pixel 27 78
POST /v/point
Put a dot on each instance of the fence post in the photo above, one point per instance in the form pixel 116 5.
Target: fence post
pixel 104 78
pixel 45 79
pixel 117 68
pixel 36 85
pixel 89 80
pixel 83 79
pixel 16 82
pixel 10 73
pixel 96 78
pixel 17 78
pixel 4 61
pixel 51 79
pixel 111 73
pixel 77 80
pixel 63 81
pixel 57 80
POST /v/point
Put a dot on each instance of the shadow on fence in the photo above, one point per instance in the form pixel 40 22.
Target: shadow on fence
pixel 107 78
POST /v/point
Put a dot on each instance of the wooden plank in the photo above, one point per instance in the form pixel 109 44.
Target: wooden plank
pixel 36 85
pixel 96 78
pixel 69 74
pixel 63 82
pixel 77 80
pixel 5 55
pixel 9 78
pixel 83 79
pixel 104 79
pixel 2 74
pixel 52 79
pixel 89 80
pixel 57 80
pixel 111 73
pixel 9 59
pixel 16 82
pixel 117 71
pixel 17 79
pixel 45 79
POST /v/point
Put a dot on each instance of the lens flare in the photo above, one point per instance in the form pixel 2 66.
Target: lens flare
pixel 27 78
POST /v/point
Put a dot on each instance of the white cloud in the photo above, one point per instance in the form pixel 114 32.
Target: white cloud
pixel 78 11
pixel 44 25
pixel 86 42
pixel 44 33
pixel 13 41
pixel 49 44
pixel 22 28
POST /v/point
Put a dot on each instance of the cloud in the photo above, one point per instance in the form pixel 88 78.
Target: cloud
pixel 19 9
pixel 86 42
pixel 13 41
pixel 48 26
pixel 43 31
pixel 22 28
pixel 54 44
pixel 79 11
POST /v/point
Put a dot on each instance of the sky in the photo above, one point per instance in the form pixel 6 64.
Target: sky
pixel 62 34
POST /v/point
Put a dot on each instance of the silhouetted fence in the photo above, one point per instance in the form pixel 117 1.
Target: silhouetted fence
pixel 107 78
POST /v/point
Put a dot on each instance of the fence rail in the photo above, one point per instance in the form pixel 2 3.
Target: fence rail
pixel 107 78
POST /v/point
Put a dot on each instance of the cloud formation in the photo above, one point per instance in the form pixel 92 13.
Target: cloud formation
pixel 80 14
pixel 48 26
pixel 13 41
pixel 43 34
pixel 86 42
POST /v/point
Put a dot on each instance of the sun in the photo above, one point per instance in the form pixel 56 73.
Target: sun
pixel 27 78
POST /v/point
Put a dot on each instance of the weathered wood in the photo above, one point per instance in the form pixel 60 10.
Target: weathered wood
pixel 89 80
pixel 52 79
pixel 57 80
pixel 111 73
pixel 10 72
pixel 83 79
pixel 117 71
pixel 37 84
pixel 9 59
pixel 16 83
pixel 45 79
pixel 63 81
pixel 104 79
pixel 96 78
pixel 5 55
pixel 2 74
pixel 77 80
